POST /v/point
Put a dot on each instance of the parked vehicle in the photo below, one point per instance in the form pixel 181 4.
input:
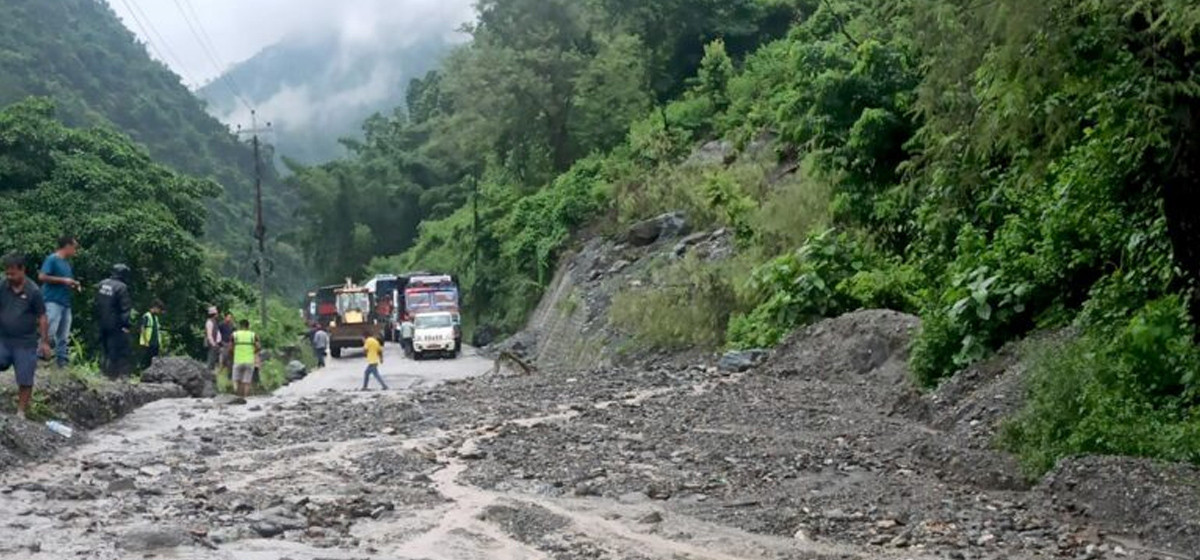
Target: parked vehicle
pixel 435 333
pixel 326 311
pixel 434 293
pixel 353 320
pixel 385 308
pixel 309 311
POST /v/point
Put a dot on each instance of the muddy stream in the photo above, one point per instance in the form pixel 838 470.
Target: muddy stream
pixel 321 471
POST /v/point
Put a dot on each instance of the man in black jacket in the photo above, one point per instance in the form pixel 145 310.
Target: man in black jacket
pixel 113 308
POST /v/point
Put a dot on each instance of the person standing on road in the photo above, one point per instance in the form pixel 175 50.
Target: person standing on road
pixel 320 344
pixel 407 330
pixel 58 280
pixel 226 328
pixel 374 352
pixel 212 339
pixel 151 337
pixel 113 309
pixel 22 320
pixel 245 356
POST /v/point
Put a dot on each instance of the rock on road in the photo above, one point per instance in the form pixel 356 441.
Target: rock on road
pixel 664 462
pixel 320 470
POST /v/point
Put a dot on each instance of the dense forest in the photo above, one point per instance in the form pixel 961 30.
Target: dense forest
pixel 77 53
pixel 999 168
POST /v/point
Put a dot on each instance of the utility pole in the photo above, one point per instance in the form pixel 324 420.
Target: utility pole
pixel 260 228
pixel 475 264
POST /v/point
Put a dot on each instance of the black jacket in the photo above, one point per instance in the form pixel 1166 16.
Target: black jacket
pixel 113 305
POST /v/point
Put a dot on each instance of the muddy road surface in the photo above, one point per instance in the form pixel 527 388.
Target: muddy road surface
pixel 671 461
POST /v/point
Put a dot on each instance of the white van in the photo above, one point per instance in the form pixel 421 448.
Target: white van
pixel 435 333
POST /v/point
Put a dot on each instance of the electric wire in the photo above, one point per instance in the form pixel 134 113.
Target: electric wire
pixel 198 33
pixel 151 35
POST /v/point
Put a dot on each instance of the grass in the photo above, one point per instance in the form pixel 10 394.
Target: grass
pixel 685 304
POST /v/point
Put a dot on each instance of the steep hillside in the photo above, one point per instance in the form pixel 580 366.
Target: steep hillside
pixel 317 90
pixel 78 53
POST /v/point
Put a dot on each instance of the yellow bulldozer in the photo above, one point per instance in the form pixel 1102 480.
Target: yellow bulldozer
pixel 353 319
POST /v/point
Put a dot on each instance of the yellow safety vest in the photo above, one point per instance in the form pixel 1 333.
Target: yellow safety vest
pixel 150 327
pixel 243 347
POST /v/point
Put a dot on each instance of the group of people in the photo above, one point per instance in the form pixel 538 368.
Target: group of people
pixel 233 349
pixel 35 321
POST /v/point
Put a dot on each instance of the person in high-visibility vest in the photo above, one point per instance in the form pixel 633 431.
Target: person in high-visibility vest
pixel 151 337
pixel 245 355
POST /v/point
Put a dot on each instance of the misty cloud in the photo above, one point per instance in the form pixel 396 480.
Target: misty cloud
pixel 242 28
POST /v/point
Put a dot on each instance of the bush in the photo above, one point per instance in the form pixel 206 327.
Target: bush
pixel 685 304
pixel 1132 392
pixel 799 288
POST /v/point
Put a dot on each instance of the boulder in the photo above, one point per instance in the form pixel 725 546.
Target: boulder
pixel 716 152
pixel 741 360
pixel 483 336
pixel 666 226
pixel 229 400
pixel 153 537
pixel 194 377
pixel 296 370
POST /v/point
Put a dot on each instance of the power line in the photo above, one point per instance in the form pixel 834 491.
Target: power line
pixel 200 35
pixel 145 24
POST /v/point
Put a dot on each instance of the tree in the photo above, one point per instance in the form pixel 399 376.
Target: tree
pixel 124 208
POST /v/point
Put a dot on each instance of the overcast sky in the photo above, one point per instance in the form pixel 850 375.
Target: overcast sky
pixel 241 28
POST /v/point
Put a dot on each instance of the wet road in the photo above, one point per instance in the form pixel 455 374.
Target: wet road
pixel 322 471
pixel 346 374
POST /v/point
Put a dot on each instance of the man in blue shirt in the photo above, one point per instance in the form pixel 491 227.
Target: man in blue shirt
pixel 22 326
pixel 57 281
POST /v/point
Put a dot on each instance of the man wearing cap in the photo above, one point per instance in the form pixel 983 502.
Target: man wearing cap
pixel 113 309
pixel 212 338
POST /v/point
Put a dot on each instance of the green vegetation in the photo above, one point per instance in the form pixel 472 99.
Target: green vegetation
pixel 77 53
pixel 685 304
pixel 123 207
pixel 533 114
pixel 997 167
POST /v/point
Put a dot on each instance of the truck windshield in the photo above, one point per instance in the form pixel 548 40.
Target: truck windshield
pixel 353 302
pixel 433 321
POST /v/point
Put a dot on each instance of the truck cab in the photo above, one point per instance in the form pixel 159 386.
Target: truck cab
pixel 436 333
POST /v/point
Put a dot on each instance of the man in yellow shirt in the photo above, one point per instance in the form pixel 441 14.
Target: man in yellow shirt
pixel 374 352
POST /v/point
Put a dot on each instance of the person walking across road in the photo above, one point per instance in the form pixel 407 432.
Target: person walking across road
pixel 245 357
pixel 23 323
pixel 58 281
pixel 113 309
pixel 212 339
pixel 320 344
pixel 374 352
pixel 151 335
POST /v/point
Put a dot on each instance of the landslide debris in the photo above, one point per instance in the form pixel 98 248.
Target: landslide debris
pixel 827 440
pixel 197 379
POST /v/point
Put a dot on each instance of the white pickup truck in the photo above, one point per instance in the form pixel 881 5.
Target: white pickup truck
pixel 436 334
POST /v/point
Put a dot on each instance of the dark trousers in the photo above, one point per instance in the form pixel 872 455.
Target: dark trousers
pixel 320 354
pixel 116 353
pixel 148 356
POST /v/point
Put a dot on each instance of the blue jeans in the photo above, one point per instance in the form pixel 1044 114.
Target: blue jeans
pixel 373 370
pixel 59 317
